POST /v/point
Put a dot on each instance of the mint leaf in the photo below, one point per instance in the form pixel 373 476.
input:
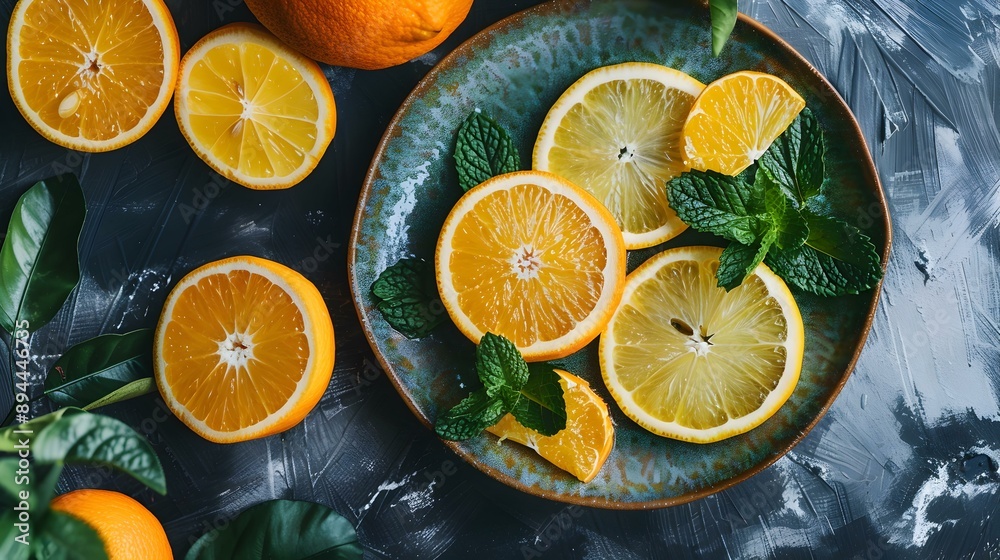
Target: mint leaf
pixel 716 203
pixel 470 417
pixel 836 259
pixel 724 17
pixel 789 227
pixel 738 261
pixel 483 151
pixel 795 160
pixel 409 299
pixel 499 364
pixel 542 406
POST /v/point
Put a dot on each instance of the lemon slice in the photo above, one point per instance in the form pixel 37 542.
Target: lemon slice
pixel 253 109
pixel 534 258
pixel 735 120
pixel 687 360
pixel 616 133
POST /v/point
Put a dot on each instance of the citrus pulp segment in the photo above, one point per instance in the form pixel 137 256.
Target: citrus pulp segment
pixel 92 76
pixel 616 133
pixel 534 258
pixel 244 349
pixel 583 445
pixel 688 360
pixel 735 120
pixel 253 109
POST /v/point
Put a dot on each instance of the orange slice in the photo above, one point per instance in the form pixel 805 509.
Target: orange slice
pixel 92 76
pixel 244 349
pixel 534 258
pixel 253 109
pixel 688 360
pixel 616 133
pixel 582 447
pixel 735 120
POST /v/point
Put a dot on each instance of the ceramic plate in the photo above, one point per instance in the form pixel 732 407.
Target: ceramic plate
pixel 515 71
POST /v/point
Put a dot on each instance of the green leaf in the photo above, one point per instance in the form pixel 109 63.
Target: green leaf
pixel 38 480
pixel 10 438
pixel 137 388
pixel 92 370
pixel 483 151
pixel 542 406
pixel 789 226
pixel 281 530
pixel 738 261
pixel 39 263
pixel 716 203
pixel 10 548
pixel 409 299
pixel 724 17
pixel 499 364
pixel 94 438
pixel 64 537
pixel 470 417
pixel 837 259
pixel 795 161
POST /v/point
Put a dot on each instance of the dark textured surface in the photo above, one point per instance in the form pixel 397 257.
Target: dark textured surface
pixel 903 466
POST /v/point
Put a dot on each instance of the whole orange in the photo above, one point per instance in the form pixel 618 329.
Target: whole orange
pixel 129 531
pixel 366 34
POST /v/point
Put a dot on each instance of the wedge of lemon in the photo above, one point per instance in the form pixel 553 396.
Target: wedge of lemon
pixel 583 445
pixel 688 360
pixel 253 109
pixel 616 133
pixel 244 349
pixel 534 258
pixel 735 120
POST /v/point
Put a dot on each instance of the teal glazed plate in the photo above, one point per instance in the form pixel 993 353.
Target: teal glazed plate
pixel 514 71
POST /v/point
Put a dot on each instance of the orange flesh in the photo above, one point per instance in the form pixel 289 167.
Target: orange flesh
pixel 74 49
pixel 528 263
pixel 248 337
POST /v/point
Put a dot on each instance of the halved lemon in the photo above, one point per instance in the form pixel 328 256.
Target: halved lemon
pixel 735 120
pixel 244 349
pixel 534 258
pixel 253 109
pixel 92 76
pixel 688 360
pixel 616 133
pixel 583 445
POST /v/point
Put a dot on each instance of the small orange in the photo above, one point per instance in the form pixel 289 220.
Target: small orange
pixel 735 120
pixel 253 109
pixel 92 76
pixel 532 257
pixel 129 531
pixel 583 446
pixel 244 349
pixel 366 34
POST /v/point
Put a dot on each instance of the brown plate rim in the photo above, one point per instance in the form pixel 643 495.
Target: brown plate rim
pixel 467 48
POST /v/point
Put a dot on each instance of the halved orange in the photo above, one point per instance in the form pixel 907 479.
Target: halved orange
pixel 253 109
pixel 532 257
pixel 92 76
pixel 579 449
pixel 735 120
pixel 244 349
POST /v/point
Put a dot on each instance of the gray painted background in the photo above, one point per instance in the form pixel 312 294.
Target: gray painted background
pixel 903 466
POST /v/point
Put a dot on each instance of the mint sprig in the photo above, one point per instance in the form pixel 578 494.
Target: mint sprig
pixel 408 298
pixel 483 150
pixel 532 394
pixel 771 219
